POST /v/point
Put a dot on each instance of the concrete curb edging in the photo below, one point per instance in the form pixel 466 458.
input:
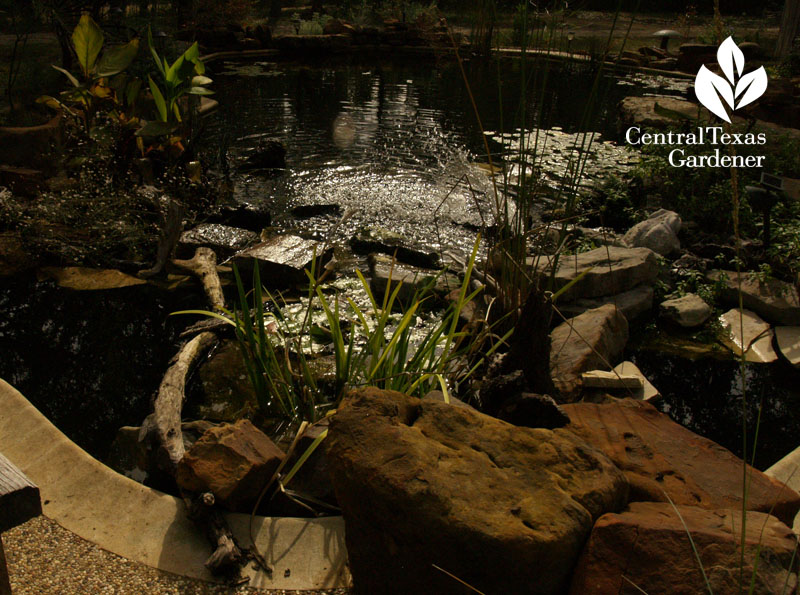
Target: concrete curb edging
pixel 145 525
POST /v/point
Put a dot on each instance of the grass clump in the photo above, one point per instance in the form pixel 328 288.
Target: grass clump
pixel 370 345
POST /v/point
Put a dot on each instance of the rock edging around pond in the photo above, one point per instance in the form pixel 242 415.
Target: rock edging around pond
pixel 148 526
pixel 431 491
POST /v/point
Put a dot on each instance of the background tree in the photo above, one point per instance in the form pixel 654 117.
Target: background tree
pixel 790 28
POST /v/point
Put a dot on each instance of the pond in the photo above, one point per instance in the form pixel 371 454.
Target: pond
pixel 395 141
pixel 395 144
pixel 89 360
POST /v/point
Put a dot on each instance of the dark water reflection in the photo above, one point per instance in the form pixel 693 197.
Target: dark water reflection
pixel 89 360
pixel 394 139
pixel 705 395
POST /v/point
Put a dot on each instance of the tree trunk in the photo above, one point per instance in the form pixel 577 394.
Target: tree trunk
pixel 274 10
pixel 790 28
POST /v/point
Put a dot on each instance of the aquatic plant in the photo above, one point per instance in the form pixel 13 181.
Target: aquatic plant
pixel 370 347
pixel 96 89
pixel 185 76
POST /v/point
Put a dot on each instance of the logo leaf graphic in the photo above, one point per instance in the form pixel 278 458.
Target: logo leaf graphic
pixel 728 56
pixel 752 85
pixel 709 87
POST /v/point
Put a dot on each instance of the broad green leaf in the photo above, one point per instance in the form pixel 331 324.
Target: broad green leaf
pixel 88 41
pixel 172 76
pixel 117 59
pixel 156 128
pixel 71 78
pixel 193 53
pixel 161 105
pixel 156 58
pixel 132 91
pixel 185 71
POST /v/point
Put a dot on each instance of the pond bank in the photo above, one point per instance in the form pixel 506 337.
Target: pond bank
pixel 147 526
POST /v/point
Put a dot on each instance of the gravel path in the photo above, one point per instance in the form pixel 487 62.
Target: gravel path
pixel 46 559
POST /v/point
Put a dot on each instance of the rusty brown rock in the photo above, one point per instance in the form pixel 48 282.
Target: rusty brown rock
pixel 233 461
pixel 422 483
pixel 660 458
pixel 593 340
pixel 647 549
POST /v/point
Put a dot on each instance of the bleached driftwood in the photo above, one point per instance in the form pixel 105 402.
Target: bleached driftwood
pixel 204 266
pixel 162 428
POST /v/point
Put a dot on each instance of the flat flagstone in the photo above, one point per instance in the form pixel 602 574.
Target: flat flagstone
pixel 611 380
pixel 753 336
pixel 647 390
pixel 788 339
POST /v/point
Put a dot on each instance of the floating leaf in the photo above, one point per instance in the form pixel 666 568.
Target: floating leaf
pixel 751 86
pixel 728 56
pixel 709 87
pixel 200 91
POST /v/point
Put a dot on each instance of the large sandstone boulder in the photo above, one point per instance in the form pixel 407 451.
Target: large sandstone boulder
pixel 642 111
pixel 591 341
pixel 505 509
pixel 411 279
pixel 659 232
pixel 662 458
pixel 608 270
pixel 774 300
pixel 648 546
pixel 232 461
pixel 633 303
pixel 687 311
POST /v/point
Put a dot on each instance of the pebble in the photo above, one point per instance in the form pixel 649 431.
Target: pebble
pixel 44 558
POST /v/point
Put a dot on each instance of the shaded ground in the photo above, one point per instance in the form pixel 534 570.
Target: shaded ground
pixel 43 557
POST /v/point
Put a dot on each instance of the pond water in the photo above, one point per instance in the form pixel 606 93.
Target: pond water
pixel 705 395
pixel 89 360
pixel 395 142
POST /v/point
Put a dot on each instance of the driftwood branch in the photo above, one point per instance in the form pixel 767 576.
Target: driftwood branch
pixel 162 428
pixel 226 557
pixel 204 266
pixel 171 229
